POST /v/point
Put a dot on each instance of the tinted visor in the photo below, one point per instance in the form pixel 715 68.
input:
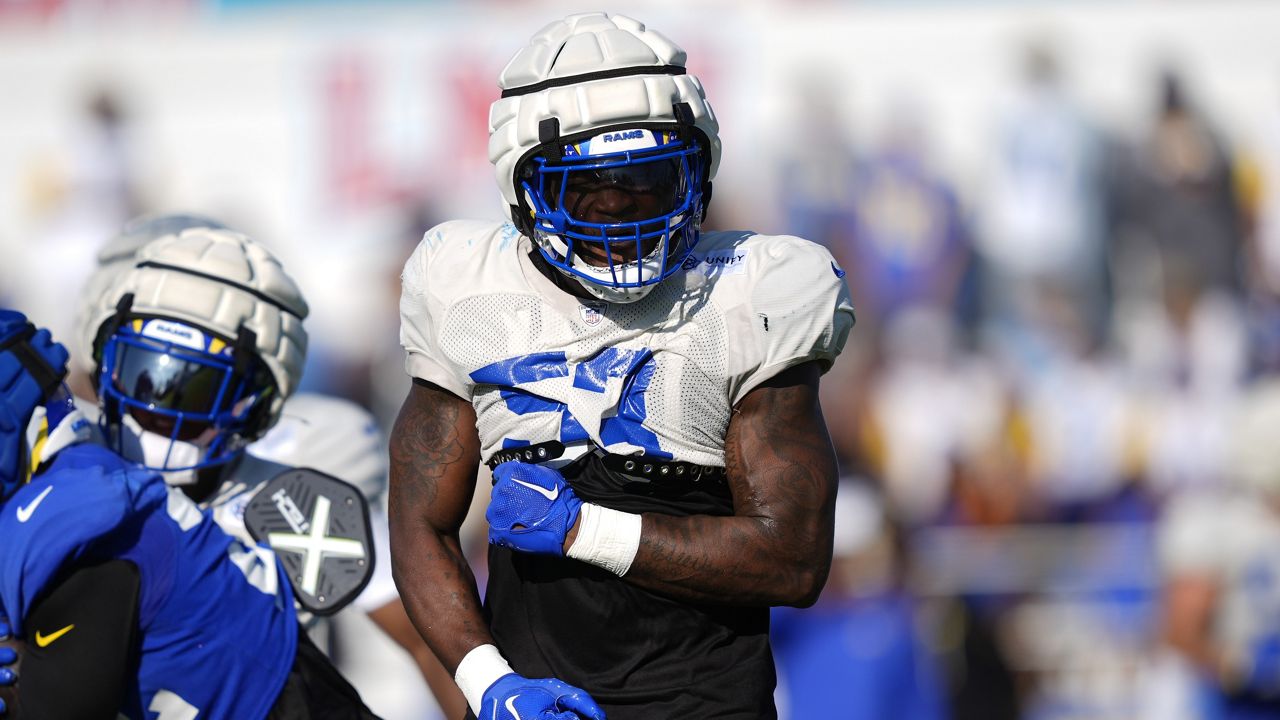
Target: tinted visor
pixel 146 373
pixel 654 188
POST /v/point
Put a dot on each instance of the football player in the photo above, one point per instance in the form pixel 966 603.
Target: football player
pixel 646 394
pixel 130 601
pixel 308 430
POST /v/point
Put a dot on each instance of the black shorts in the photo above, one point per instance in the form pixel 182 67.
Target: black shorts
pixel 102 648
pixel 316 690
pixel 81 640
pixel 638 654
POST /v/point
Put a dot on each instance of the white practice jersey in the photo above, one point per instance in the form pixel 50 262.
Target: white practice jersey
pixel 333 435
pixel 330 434
pixel 337 437
pixel 658 377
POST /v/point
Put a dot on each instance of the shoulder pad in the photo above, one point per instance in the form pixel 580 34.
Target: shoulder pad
pixel 319 528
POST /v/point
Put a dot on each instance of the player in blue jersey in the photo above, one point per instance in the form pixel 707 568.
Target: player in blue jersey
pixel 645 392
pixel 178 297
pixel 112 578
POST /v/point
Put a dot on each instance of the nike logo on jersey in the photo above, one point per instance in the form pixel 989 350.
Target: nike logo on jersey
pixel 511 701
pixel 551 494
pixel 24 511
pixel 46 640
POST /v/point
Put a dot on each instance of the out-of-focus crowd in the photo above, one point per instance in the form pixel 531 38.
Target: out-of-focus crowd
pixel 1058 420
pixel 1058 417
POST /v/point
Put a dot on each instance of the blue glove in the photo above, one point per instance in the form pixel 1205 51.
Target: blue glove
pixel 531 508
pixel 23 386
pixel 8 656
pixel 512 697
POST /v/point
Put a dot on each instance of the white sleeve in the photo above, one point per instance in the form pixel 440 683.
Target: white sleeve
pixel 800 309
pixel 381 588
pixel 1190 535
pixel 332 435
pixel 420 312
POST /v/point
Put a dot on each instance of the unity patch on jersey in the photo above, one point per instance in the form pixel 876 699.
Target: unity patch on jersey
pixel 319 528
pixel 728 261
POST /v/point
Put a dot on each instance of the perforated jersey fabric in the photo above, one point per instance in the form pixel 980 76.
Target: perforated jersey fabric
pixel 658 377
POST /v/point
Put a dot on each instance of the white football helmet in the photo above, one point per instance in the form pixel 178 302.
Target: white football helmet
pixel 198 345
pixel 115 257
pixel 601 102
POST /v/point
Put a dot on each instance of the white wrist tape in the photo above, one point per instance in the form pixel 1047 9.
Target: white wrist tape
pixel 606 538
pixel 479 669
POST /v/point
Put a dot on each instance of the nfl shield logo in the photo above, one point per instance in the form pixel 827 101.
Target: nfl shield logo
pixel 592 313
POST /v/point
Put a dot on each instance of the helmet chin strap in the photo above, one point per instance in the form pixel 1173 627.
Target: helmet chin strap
pixel 582 288
pixel 615 295
pixel 608 293
pixel 158 452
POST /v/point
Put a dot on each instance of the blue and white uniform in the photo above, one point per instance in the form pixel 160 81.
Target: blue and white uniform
pixel 218 638
pixel 656 378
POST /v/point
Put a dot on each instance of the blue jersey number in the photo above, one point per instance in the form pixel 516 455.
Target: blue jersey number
pixel 635 367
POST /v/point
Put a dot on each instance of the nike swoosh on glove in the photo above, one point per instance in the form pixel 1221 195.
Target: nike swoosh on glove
pixel 531 508
pixel 512 697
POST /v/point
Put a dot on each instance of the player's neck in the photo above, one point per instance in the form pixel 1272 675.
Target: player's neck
pixel 208 480
pixel 557 278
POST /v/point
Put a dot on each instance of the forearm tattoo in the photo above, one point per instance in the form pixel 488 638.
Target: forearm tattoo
pixel 434 457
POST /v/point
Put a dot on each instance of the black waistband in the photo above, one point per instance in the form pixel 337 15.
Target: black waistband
pixel 644 467
pixel 656 469
pixel 541 452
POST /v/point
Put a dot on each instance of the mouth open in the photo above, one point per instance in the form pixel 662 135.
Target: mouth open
pixel 618 253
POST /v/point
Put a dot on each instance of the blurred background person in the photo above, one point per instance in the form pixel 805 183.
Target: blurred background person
pixel 1041 238
pixel 1176 197
pixel 88 183
pixel 1221 589
pixel 932 405
pixel 815 178
pixel 908 244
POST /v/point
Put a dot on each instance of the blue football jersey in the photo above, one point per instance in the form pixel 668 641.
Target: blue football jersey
pixel 216 618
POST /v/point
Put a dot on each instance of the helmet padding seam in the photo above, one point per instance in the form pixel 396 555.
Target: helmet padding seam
pixel 222 281
pixel 598 75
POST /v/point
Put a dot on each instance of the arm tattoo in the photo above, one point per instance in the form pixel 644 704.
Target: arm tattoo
pixel 435 453
pixel 426 444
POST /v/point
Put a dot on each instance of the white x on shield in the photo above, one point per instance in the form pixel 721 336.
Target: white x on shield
pixel 316 545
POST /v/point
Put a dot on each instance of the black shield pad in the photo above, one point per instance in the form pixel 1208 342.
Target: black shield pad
pixel 318 527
